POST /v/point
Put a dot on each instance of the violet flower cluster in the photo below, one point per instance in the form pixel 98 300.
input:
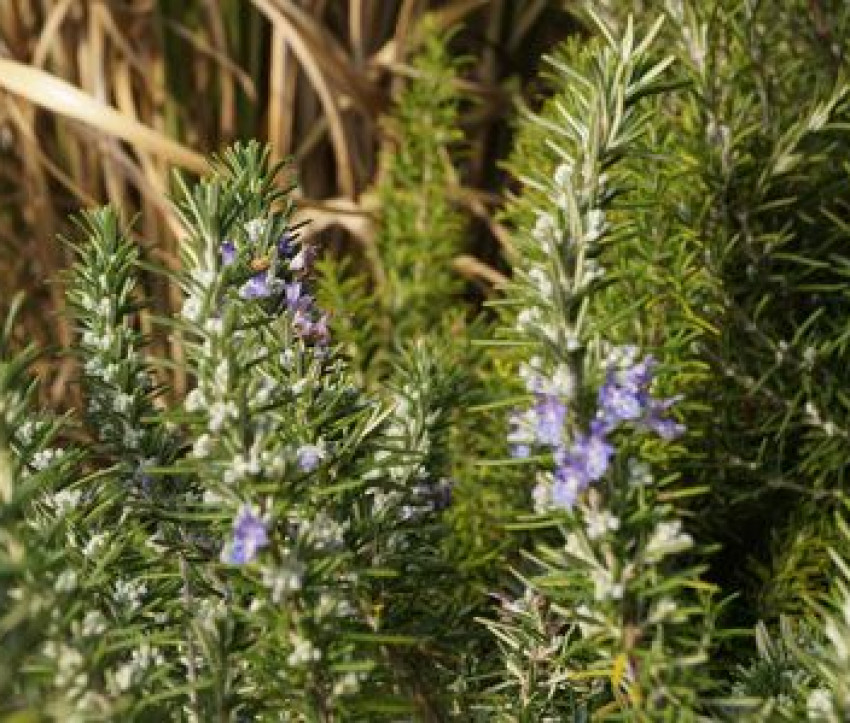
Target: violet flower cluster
pixel 283 279
pixel 623 398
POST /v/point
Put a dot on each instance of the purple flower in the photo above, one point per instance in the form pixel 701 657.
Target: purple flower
pixel 285 245
pixel 295 298
pixel 257 287
pixel 625 394
pixel 320 331
pixel 228 253
pixel 569 482
pixel 309 329
pixel 589 456
pixel 664 427
pixel 619 403
pixel 585 462
pixel 310 455
pixel 550 413
pixel 596 454
pixel 249 535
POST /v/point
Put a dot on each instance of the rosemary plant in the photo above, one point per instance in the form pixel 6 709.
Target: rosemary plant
pixel 609 617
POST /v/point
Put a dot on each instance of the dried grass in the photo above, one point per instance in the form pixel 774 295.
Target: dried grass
pixel 101 100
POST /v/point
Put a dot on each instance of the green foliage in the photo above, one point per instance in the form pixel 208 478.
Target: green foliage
pixel 597 627
pixel 750 187
pixel 420 230
pixel 356 514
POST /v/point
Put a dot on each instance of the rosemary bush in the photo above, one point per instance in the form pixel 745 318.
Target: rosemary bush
pixel 616 495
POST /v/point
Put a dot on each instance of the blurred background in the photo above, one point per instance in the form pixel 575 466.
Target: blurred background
pixel 102 100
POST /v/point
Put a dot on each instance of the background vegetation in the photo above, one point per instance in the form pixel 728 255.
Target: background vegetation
pixel 504 378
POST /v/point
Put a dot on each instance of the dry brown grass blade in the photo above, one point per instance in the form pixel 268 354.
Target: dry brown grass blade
pixel 326 95
pixel 407 39
pixel 34 147
pixel 473 268
pixel 107 21
pixel 355 31
pixel 530 15
pixel 44 254
pixel 47 38
pixel 227 114
pixel 227 65
pixel 157 190
pixel 453 13
pixel 280 102
pixel 54 94
pixel 356 218
pixel 97 68
pixel 331 57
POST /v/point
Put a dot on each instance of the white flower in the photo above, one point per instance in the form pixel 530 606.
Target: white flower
pixel 66 582
pixel 819 705
pixel 110 373
pixel 194 401
pixel 122 403
pixel 600 522
pixel 64 501
pixel 192 309
pixel 213 498
pixel 541 495
pixel 43 459
pixel 605 587
pixel 667 538
pixel 254 228
pixel 528 318
pixel 541 281
pixel 128 594
pixel 348 684
pixel 285 578
pixel 220 413
pixel 28 431
pixel 204 277
pixel 123 677
pixel 663 610
pixel 130 672
pixel 303 651
pixel 545 229
pixel 221 376
pixel 639 473
pixel 69 663
pixel 203 446
pixel 95 545
pixel 809 357
pixel 324 532
pixel 214 326
pixel 563 174
pixel 595 225
pixel 573 342
pixel 133 437
pixel 93 623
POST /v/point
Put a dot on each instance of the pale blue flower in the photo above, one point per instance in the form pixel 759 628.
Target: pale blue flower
pixel 309 456
pixel 551 413
pixel 228 253
pixel 257 287
pixel 249 535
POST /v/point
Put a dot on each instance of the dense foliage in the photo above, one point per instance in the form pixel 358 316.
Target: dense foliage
pixel 615 492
